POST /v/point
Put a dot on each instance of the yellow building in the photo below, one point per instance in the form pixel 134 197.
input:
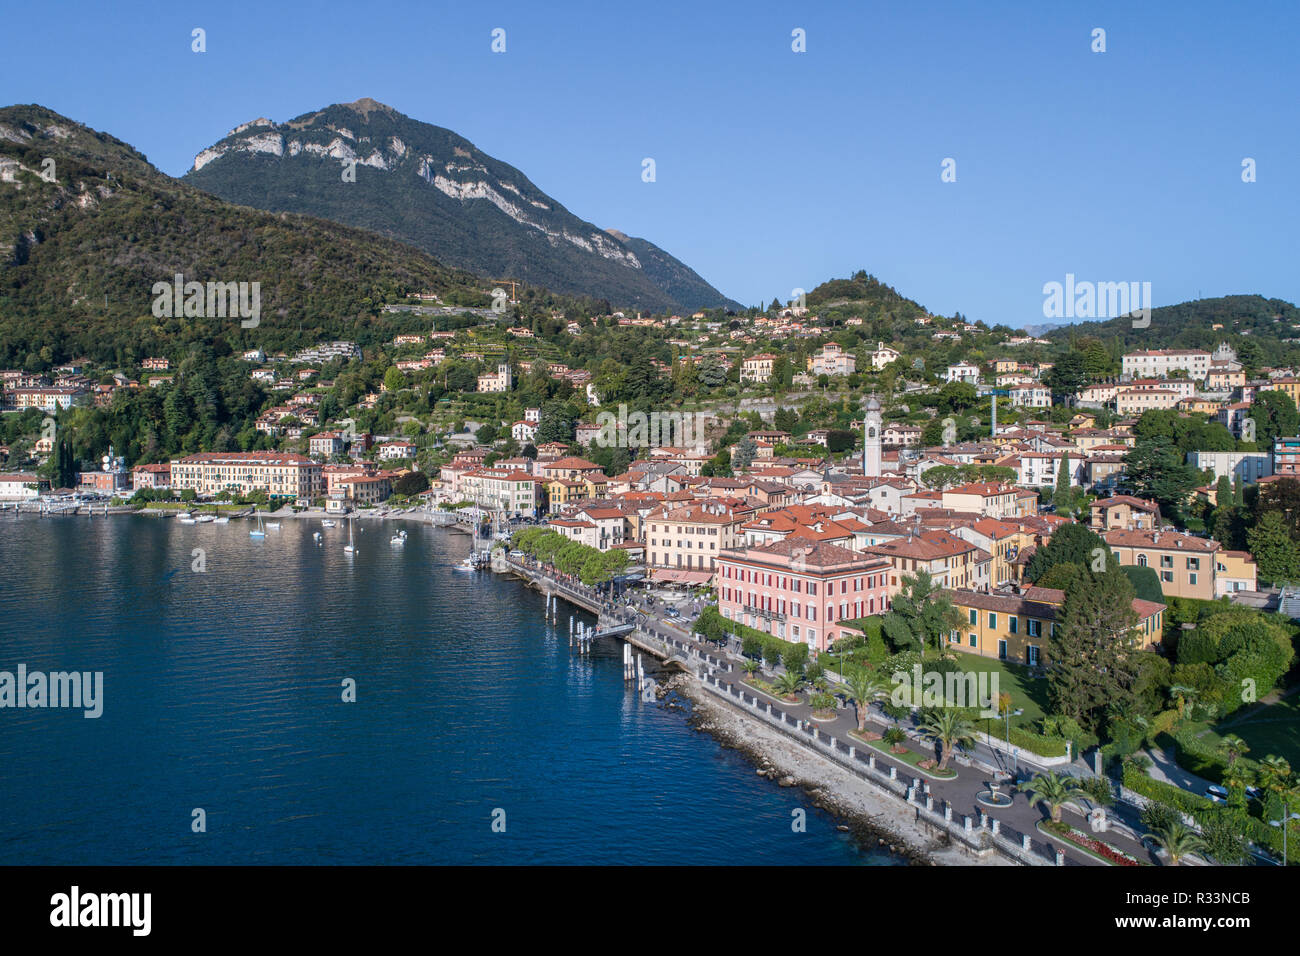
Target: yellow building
pixel 1017 627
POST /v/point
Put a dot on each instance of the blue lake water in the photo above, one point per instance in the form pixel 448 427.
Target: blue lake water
pixel 223 691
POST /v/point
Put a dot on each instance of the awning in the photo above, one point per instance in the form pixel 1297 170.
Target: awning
pixel 674 576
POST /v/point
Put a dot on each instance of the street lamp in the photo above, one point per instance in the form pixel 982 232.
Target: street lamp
pixel 1287 817
pixel 1015 758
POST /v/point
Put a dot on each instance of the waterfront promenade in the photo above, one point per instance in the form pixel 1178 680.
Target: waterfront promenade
pixel 948 808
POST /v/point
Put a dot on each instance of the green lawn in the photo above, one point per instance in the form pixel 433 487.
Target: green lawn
pixel 1272 729
pixel 1027 693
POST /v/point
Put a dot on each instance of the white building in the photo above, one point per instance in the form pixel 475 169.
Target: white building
pixel 1159 363
pixel 1031 396
pixel 1242 466
pixel 883 355
pixel 963 372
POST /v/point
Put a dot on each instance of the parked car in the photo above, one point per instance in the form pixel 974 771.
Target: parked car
pixel 1216 793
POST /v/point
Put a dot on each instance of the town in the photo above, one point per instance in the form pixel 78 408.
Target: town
pixel 876 491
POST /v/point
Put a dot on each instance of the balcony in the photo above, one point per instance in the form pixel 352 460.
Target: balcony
pixel 761 613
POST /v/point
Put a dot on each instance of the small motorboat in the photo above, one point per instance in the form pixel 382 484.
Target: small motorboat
pixel 273 525
pixel 316 536
pixel 186 519
pixel 221 519
pixel 328 523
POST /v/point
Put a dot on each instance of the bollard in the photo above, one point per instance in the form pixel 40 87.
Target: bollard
pixel 893 773
pixel 997 827
pixel 1024 841
pixel 853 752
pixel 929 802
pixel 1060 858
pixel 947 812
pixel 966 824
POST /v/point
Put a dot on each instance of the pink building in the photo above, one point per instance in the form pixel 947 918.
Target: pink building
pixel 799 590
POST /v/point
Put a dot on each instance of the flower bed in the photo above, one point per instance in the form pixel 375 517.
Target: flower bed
pixel 1063 831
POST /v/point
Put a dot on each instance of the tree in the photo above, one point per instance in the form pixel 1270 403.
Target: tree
pixel 394 380
pixel 1053 790
pixel 1068 374
pixel 920 614
pixel 1156 469
pixel 949 727
pixel 745 452
pixel 1063 497
pixel 1093 649
pixel 958 396
pixel 1232 748
pixel 1177 840
pixel 1274 550
pixel 1073 544
pixel 789 683
pixel 865 686
pixel 785 420
pixel 1275 416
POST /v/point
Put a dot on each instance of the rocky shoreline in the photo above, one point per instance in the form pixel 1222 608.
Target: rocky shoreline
pixel 876 819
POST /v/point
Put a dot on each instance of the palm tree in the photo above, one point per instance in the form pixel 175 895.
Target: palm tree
pixel 1233 748
pixel 1053 790
pixel 1177 840
pixel 866 686
pixel 749 667
pixel 950 728
pixel 789 683
pixel 893 737
pixel 1275 774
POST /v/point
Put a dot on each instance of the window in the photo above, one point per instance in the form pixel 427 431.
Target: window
pixel 993 620
pixel 1167 576
pixel 1013 623
pixel 974 641
pixel 974 616
pixel 1191 579
pixel 954 637
pixel 1034 627
pixel 1194 564
pixel 1031 655
pixel 1002 650
pixel 1142 560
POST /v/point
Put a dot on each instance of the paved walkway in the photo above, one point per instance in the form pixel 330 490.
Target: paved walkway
pixel 960 791
pixel 974 769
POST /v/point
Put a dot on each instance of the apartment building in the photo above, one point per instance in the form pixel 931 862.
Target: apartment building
pixel 500 489
pixel 1243 466
pixel 690 537
pixel 757 368
pixel 951 561
pixel 1016 626
pixel 279 474
pixel 1124 513
pixel 1160 363
pixel 799 590
pixel 1286 457
pixel 1184 563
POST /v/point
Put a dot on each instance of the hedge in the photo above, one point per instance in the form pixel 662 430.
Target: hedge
pixel 1203 809
pixel 1037 743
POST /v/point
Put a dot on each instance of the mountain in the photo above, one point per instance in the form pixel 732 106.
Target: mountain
pixel 428 186
pixel 79 255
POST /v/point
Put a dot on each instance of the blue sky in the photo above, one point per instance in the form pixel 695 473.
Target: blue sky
pixel 775 169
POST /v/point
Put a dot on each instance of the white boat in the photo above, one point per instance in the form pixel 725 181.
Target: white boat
pixel 397 540
pixel 316 537
pixel 468 564
pixel 221 519
pixel 350 547
pixel 259 531
pixel 186 519
pixel 328 523
pixel 203 518
pixel 273 525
